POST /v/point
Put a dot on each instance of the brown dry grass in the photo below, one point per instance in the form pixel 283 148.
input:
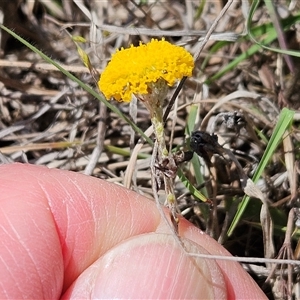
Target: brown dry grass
pixel 46 119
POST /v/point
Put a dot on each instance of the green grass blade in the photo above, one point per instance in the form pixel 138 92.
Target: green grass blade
pixel 192 189
pixel 125 152
pixel 79 82
pixel 200 9
pixel 269 34
pixel 285 119
pixel 201 195
pixel 284 122
pixel 191 121
pixel 263 45
pixel 252 50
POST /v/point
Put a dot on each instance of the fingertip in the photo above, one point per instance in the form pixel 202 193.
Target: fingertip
pixel 239 283
pixel 151 266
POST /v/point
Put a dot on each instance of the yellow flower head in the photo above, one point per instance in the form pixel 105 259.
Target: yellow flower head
pixel 134 70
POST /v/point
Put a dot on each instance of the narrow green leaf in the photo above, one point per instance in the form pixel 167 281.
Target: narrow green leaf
pixel 269 35
pixel 285 22
pixel 192 117
pixel 79 82
pixel 193 190
pixel 284 122
pixel 201 195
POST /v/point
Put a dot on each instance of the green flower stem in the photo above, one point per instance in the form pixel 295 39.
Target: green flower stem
pixel 158 128
pixel 154 103
pixel 164 155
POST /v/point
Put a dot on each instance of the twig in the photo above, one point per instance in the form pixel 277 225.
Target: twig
pixel 211 29
pixel 197 56
pixel 43 66
pixel 100 140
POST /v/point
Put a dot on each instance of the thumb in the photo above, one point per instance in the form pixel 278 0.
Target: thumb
pixel 150 266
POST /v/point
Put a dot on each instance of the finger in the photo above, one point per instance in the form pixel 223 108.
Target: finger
pixel 89 216
pixel 54 224
pixel 31 263
pixel 239 284
pixel 155 266
pixel 150 266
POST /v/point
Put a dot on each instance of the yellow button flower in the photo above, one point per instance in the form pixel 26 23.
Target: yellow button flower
pixel 134 70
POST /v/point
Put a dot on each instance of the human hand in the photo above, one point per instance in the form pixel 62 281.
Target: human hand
pixel 66 235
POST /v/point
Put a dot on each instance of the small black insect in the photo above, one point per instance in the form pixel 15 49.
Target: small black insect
pixel 205 145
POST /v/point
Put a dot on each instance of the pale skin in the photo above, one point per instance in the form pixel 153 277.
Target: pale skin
pixel 64 235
